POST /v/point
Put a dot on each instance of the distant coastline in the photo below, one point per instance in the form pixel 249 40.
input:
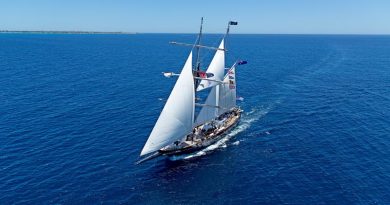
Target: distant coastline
pixel 65 32
pixel 132 33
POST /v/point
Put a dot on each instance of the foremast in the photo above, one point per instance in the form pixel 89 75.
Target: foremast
pixel 196 67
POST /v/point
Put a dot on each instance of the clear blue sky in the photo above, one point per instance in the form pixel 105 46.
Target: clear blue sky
pixel 180 16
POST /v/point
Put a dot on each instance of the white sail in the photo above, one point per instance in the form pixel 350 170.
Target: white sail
pixel 208 111
pixel 177 117
pixel 216 67
pixel 227 92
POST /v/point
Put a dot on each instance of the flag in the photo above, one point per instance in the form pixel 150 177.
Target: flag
pixel 202 74
pixel 233 23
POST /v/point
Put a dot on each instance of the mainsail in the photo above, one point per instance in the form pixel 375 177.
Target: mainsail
pixel 177 117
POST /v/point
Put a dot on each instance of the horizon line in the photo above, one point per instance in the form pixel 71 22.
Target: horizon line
pixel 132 33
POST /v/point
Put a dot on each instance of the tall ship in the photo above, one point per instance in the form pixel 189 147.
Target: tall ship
pixel 181 127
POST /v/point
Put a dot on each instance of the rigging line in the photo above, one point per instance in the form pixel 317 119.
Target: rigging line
pixel 215 45
pixel 197 64
pixel 195 43
pixel 227 40
pixel 209 55
pixel 226 35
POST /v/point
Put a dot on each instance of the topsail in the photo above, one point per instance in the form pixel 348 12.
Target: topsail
pixel 217 67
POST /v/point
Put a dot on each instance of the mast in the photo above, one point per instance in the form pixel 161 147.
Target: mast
pixel 199 41
pixel 220 94
pixel 197 62
pixel 233 23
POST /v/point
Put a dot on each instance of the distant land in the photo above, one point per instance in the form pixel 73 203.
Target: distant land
pixel 132 33
pixel 65 32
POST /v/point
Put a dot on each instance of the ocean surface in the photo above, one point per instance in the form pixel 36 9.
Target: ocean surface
pixel 76 111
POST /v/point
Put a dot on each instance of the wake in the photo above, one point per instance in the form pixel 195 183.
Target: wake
pixel 246 121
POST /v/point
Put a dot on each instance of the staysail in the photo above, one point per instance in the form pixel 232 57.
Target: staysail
pixel 227 92
pixel 177 117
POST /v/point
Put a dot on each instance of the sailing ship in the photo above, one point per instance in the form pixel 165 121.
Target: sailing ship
pixel 179 129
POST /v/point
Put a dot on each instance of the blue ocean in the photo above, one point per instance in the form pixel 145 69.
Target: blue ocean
pixel 76 111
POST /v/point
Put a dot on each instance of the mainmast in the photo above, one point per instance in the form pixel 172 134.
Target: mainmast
pixel 233 23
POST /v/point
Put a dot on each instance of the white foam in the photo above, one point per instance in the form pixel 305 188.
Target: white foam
pixel 236 143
